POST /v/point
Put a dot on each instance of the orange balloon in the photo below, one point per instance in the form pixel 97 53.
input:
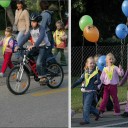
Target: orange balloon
pixel 91 33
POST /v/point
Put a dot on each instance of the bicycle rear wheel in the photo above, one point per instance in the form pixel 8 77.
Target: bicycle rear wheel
pixel 55 75
pixel 18 81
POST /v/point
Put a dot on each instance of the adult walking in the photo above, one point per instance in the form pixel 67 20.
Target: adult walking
pixel 21 20
pixel 47 22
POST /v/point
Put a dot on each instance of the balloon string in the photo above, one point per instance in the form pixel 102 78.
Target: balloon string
pixel 96 48
pixel 122 52
pixel 82 56
pixel 5 17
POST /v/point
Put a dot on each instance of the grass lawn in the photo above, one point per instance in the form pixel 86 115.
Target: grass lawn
pixel 76 97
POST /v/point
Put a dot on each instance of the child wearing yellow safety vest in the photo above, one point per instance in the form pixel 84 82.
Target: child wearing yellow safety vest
pixel 110 79
pixel 91 80
pixel 60 41
pixel 7 44
pixel 100 88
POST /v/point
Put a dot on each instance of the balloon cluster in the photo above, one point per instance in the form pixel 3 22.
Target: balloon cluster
pixel 5 3
pixel 90 32
pixel 121 29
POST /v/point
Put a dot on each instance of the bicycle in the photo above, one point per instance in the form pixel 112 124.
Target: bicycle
pixel 18 79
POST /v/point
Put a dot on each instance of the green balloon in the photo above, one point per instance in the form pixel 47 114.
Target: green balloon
pixel 5 3
pixel 84 21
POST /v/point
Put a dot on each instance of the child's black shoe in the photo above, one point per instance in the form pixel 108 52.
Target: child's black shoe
pixel 83 123
pixel 125 114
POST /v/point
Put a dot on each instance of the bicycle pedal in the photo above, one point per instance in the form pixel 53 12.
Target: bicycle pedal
pixel 43 84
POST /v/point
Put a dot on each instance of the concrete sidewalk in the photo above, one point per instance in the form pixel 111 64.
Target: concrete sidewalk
pixel 108 120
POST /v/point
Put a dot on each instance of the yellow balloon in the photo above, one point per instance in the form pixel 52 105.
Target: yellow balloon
pixel 91 33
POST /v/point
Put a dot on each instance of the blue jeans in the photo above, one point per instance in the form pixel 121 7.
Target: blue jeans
pixel 19 37
pixel 50 38
pixel 41 62
pixel 87 106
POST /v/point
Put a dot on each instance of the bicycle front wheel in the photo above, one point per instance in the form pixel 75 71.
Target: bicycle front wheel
pixel 55 75
pixel 18 81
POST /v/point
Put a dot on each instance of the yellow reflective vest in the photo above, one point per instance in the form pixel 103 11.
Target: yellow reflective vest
pixel 5 43
pixel 57 38
pixel 89 76
pixel 110 72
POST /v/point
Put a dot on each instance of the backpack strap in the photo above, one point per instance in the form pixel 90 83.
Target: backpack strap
pixel 50 17
pixel 10 40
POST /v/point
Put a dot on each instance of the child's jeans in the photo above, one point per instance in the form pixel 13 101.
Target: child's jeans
pixel 87 107
pixel 7 62
pixel 110 90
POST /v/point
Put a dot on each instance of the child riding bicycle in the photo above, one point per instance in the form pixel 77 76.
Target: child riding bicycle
pixel 40 42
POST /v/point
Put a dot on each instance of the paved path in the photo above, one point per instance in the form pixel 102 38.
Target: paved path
pixel 39 107
pixel 108 120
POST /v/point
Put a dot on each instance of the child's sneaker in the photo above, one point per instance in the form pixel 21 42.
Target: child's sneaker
pixel 117 114
pixel 97 117
pixel 101 114
pixel 1 74
pixel 83 123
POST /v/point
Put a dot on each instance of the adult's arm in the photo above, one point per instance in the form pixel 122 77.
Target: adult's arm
pixel 44 21
pixel 27 22
pixel 124 78
pixel 41 37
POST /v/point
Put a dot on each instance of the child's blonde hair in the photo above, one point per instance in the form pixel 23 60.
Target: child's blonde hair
pixel 112 56
pixel 61 24
pixel 89 58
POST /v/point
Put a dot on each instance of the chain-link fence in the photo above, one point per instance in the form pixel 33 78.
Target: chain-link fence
pixel 78 57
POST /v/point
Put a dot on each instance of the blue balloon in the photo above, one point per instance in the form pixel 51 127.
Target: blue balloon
pixel 101 62
pixel 125 7
pixel 121 31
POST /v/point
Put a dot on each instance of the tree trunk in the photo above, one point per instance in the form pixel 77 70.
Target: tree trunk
pixel 10 15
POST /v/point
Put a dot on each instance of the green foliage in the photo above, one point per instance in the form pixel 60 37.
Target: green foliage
pixel 79 6
pixel 33 5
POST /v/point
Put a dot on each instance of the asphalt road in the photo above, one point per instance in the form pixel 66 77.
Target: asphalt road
pixel 108 120
pixel 39 107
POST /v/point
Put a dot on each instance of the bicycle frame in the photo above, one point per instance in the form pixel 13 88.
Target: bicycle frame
pixel 30 63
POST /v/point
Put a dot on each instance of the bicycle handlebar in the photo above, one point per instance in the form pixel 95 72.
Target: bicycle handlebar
pixel 24 49
pixel 20 49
